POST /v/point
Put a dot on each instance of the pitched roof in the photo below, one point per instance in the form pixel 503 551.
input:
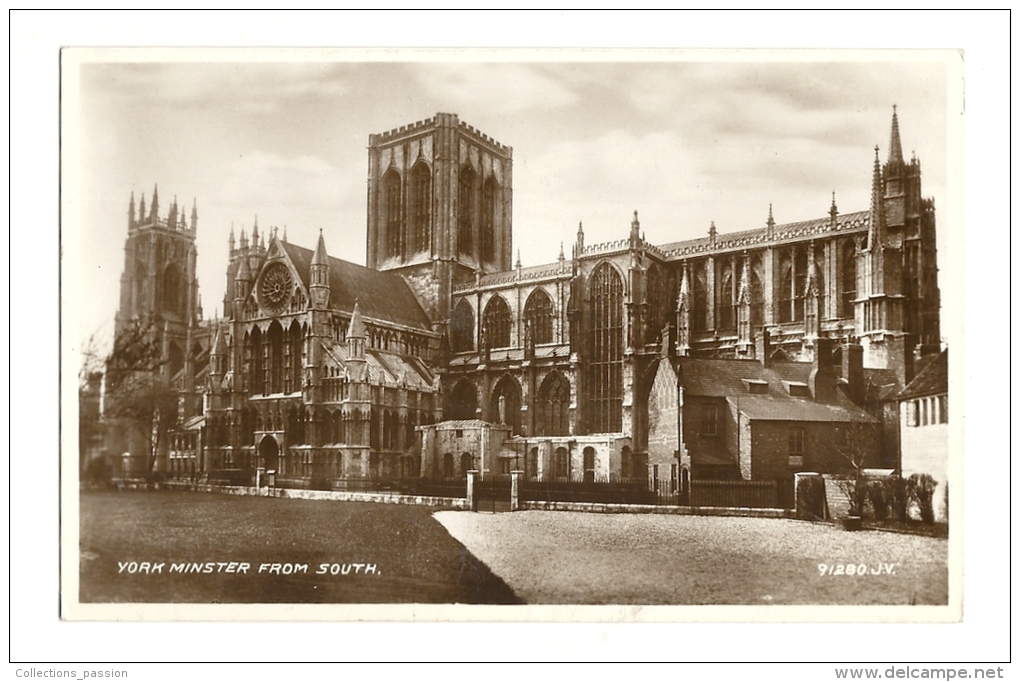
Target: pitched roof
pixel 383 296
pixel 764 408
pixel 729 379
pixel 386 368
pixel 932 380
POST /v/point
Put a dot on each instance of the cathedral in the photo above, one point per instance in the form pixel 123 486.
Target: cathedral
pixel 444 354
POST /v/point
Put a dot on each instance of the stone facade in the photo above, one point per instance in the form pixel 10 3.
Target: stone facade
pixel 324 370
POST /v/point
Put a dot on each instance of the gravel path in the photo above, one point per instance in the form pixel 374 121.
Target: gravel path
pixel 578 558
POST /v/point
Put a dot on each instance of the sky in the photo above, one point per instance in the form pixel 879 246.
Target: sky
pixel 685 139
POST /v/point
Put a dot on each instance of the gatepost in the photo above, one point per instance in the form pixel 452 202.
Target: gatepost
pixel 515 490
pixel 471 489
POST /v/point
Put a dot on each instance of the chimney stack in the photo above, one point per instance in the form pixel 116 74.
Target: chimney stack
pixel 853 371
pixel 822 380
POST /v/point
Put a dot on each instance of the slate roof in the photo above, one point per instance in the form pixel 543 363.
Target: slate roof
pixel 880 384
pixel 387 368
pixel 932 380
pixel 465 424
pixel 726 379
pixel 763 408
pixel 382 296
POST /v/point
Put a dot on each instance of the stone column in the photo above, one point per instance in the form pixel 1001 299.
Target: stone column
pixel 515 490
pixel 471 489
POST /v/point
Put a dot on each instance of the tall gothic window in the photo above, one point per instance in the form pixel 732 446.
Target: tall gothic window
pixel 757 299
pixel 509 392
pixel 659 304
pixel 254 350
pixel 497 323
pixel 462 401
pixel 726 298
pixel 173 295
pixel 791 289
pixel 552 418
pixel 605 402
pixel 489 194
pixel 466 211
pixel 391 199
pixel 421 194
pixel 848 279
pixel 538 314
pixel 275 340
pixel 462 328
pixel 699 299
pixel 295 345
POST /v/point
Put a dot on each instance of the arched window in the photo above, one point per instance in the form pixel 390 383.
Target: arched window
pixel 275 340
pixel 448 465
pixel 173 294
pixel 605 402
pixel 538 314
pixel 463 401
pixel 507 391
pixel 489 194
pixel 466 210
pixel 462 328
pixel 176 359
pixel 553 415
pixel 848 279
pixel 255 362
pixel 660 304
pixel 295 344
pixel 726 298
pixel 421 196
pixel 699 299
pixel 497 323
pixel 757 298
pixel 467 462
pixel 391 208
pixel 562 466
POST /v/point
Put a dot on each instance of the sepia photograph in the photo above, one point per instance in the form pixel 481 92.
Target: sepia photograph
pixel 502 333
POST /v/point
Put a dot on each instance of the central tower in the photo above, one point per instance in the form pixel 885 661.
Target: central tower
pixel 439 207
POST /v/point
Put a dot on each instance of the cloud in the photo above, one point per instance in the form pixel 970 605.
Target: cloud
pixel 251 87
pixel 508 88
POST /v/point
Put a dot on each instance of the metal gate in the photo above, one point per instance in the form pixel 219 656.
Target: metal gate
pixel 492 495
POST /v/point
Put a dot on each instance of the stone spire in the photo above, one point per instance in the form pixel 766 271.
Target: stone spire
pixel 875 216
pixel 356 329
pixel 895 148
pixel 320 287
pixel 154 210
pixel 194 214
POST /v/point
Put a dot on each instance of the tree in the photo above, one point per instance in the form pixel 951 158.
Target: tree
pixel 855 442
pixel 140 403
pixel 90 431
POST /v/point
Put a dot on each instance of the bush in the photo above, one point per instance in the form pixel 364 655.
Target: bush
pixel 896 497
pixel 810 497
pixel 877 493
pixel 920 489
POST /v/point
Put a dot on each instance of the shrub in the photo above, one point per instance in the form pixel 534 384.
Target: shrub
pixel 810 497
pixel 896 497
pixel 921 488
pixel 876 492
pixel 854 489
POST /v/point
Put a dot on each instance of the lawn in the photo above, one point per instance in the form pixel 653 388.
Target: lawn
pixel 578 558
pixel 415 560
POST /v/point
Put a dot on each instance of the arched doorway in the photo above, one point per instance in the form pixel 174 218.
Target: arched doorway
pixel 269 453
